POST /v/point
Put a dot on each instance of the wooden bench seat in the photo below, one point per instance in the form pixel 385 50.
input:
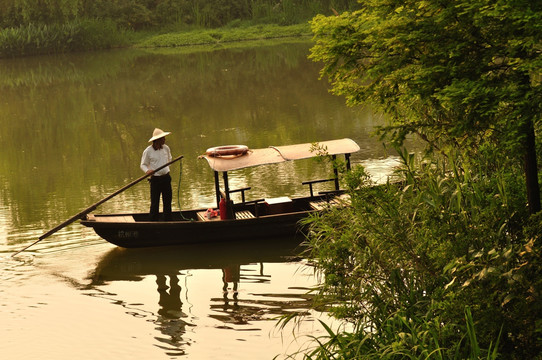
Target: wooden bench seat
pixel 322 204
pixel 319 205
pixel 246 214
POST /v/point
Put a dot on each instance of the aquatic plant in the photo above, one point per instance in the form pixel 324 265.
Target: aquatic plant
pixel 59 38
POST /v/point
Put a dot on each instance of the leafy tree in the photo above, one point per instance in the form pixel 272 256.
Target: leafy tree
pixel 457 72
pixel 406 262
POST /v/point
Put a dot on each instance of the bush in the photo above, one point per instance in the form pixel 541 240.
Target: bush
pixel 60 38
pixel 441 262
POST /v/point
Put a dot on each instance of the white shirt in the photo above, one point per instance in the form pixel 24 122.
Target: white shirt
pixel 153 159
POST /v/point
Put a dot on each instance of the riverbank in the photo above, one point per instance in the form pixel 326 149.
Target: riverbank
pixel 223 35
pixel 93 35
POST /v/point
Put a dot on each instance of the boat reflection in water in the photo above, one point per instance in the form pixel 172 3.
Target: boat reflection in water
pixel 236 261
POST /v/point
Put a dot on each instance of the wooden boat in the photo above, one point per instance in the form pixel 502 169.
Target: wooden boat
pixel 255 219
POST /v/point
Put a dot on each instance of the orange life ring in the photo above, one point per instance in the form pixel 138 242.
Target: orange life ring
pixel 227 150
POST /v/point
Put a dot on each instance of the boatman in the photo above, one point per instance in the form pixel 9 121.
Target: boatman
pixel 154 156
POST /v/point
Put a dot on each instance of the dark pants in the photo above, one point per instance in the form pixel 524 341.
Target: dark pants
pixel 161 185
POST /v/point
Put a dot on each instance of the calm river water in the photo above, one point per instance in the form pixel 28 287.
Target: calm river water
pixel 73 129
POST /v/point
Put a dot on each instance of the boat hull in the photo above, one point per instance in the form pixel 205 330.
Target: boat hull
pixel 162 233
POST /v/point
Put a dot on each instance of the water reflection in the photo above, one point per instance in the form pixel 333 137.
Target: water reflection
pixel 170 320
pixel 231 274
pixel 170 297
pixel 240 264
pixel 121 264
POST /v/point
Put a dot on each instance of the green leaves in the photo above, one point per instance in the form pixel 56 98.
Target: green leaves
pixel 410 256
pixel 464 75
pixel 457 67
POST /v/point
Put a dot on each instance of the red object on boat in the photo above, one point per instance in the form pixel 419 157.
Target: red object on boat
pixel 222 208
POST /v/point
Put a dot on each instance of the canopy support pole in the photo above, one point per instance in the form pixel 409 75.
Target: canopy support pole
pixel 335 172
pixel 226 185
pixel 217 189
pixel 347 158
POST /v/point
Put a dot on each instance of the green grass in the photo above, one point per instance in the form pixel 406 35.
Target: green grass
pixel 223 35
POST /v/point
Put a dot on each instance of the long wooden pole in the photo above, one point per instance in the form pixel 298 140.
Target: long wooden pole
pixel 93 206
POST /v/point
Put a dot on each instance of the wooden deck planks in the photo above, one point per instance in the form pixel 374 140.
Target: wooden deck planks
pixel 123 219
pixel 343 200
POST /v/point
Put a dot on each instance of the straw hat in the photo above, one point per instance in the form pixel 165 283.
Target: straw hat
pixel 157 134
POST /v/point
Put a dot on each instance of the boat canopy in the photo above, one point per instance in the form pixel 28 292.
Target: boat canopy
pixel 278 154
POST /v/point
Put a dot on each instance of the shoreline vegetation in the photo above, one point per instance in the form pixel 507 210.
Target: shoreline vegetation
pixel 224 35
pixel 63 26
pixel 92 35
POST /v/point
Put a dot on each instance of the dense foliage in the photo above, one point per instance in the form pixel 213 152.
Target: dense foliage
pixel 460 72
pixel 442 265
pixel 60 38
pixel 444 261
pixel 29 27
pixel 137 14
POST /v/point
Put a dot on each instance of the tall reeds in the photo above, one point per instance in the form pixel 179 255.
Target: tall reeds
pixel 438 265
pixel 60 38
